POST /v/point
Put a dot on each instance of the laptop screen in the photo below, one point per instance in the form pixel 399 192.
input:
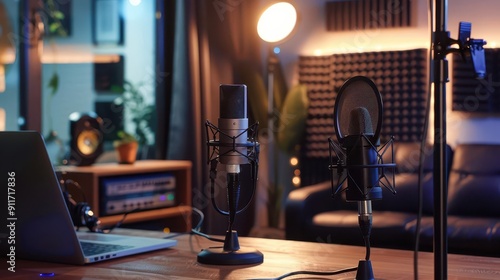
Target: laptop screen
pixel 38 223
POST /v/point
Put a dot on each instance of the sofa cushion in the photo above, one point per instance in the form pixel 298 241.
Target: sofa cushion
pixel 389 229
pixel 474 182
pixel 405 199
pixel 407 159
pixel 466 235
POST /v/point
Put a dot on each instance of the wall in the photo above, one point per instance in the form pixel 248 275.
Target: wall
pixel 311 38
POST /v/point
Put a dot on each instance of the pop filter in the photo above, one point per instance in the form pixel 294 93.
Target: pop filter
pixel 357 92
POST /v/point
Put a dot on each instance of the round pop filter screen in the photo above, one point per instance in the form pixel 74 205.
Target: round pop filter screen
pixel 357 92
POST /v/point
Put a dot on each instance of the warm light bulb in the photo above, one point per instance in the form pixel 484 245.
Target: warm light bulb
pixel 277 22
pixel 294 161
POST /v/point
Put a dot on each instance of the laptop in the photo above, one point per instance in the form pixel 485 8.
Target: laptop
pixel 39 226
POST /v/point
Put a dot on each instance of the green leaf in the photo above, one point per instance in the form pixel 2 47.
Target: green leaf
pixel 53 27
pixel 293 118
pixel 124 137
pixel 117 89
pixel 58 15
pixel 54 83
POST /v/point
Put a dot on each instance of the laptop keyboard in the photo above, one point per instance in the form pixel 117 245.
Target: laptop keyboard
pixel 90 248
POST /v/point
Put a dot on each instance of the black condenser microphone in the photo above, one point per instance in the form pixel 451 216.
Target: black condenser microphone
pixel 357 120
pixel 361 152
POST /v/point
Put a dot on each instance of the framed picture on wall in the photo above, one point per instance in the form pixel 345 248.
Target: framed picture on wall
pixel 108 22
pixel 108 73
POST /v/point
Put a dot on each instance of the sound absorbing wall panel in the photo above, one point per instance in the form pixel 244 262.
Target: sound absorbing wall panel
pixel 476 96
pixel 342 15
pixel 400 76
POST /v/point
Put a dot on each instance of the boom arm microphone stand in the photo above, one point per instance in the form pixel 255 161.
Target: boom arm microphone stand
pixel 441 48
pixel 231 253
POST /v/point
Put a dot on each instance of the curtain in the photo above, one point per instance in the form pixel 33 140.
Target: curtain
pixel 212 38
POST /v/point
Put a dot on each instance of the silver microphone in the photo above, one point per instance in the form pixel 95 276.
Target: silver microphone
pixel 233 126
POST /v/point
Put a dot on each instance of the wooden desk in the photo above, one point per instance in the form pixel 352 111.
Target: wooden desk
pixel 280 257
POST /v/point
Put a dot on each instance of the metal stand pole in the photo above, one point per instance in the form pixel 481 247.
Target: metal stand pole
pixel 440 78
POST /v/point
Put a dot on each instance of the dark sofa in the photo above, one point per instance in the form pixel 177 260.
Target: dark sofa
pixel 473 205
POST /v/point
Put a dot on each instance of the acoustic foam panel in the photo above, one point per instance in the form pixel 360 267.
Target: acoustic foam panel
pixel 476 96
pixel 401 78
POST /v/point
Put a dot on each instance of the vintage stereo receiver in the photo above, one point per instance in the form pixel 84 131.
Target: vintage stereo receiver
pixel 123 194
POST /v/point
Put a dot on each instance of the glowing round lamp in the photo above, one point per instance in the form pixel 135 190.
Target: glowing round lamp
pixel 277 22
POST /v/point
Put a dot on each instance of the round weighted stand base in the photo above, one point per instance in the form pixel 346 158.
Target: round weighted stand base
pixel 231 253
pixel 217 256
pixel 365 271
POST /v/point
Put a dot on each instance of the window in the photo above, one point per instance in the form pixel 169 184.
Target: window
pixel 98 56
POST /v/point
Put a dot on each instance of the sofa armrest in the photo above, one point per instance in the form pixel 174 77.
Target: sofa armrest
pixel 303 204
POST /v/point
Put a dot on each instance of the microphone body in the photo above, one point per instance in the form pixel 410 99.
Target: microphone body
pixel 233 125
pixel 361 157
pixel 363 180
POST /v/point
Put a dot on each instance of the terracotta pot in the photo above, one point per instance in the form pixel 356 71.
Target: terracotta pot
pixel 127 152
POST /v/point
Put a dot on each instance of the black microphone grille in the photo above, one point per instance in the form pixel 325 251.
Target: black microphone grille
pixel 233 101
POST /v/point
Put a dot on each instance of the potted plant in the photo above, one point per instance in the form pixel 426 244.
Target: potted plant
pixel 141 112
pixel 126 147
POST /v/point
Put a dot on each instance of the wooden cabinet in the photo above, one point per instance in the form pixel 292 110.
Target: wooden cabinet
pixel 177 217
